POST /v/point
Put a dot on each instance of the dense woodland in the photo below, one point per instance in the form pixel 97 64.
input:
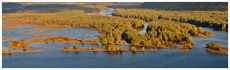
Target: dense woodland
pixel 116 29
pixel 111 27
pixel 189 6
pixel 214 19
pixel 171 31
pixel 168 29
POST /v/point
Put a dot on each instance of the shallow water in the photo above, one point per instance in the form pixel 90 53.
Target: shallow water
pixel 70 32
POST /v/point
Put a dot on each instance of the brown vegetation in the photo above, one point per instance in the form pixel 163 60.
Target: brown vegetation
pixel 216 48
pixel 222 52
pixel 18 52
pixel 41 35
pixel 23 44
pixel 4 51
pixel 8 38
pixel 9 28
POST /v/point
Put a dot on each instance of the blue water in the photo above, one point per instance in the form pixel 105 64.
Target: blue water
pixel 70 32
pixel 144 30
pixel 197 57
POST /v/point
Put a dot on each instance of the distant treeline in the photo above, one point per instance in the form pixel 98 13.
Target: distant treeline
pixel 11 7
pixel 43 8
pixel 190 6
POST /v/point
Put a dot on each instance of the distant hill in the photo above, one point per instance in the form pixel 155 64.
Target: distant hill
pixel 191 6
pixel 9 7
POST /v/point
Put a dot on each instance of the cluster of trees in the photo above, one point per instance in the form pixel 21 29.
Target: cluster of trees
pixel 215 46
pixel 4 50
pixel 191 6
pixel 111 27
pixel 214 19
pixel 135 38
pixel 114 48
pixel 165 32
pixel 172 31
pixel 75 47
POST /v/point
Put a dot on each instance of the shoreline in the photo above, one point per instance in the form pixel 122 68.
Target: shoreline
pixel 104 50
pixel 8 38
pixel 18 52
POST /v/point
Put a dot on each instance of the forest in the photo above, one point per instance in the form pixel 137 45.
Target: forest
pixel 116 29
pixel 111 27
pixel 163 31
pixel 188 6
pixel 168 29
pixel 214 19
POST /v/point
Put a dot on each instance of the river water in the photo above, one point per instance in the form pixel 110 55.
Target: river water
pixel 197 57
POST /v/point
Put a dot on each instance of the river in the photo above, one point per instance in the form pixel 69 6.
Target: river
pixel 197 57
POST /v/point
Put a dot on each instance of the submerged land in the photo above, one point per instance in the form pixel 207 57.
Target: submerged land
pixel 166 28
